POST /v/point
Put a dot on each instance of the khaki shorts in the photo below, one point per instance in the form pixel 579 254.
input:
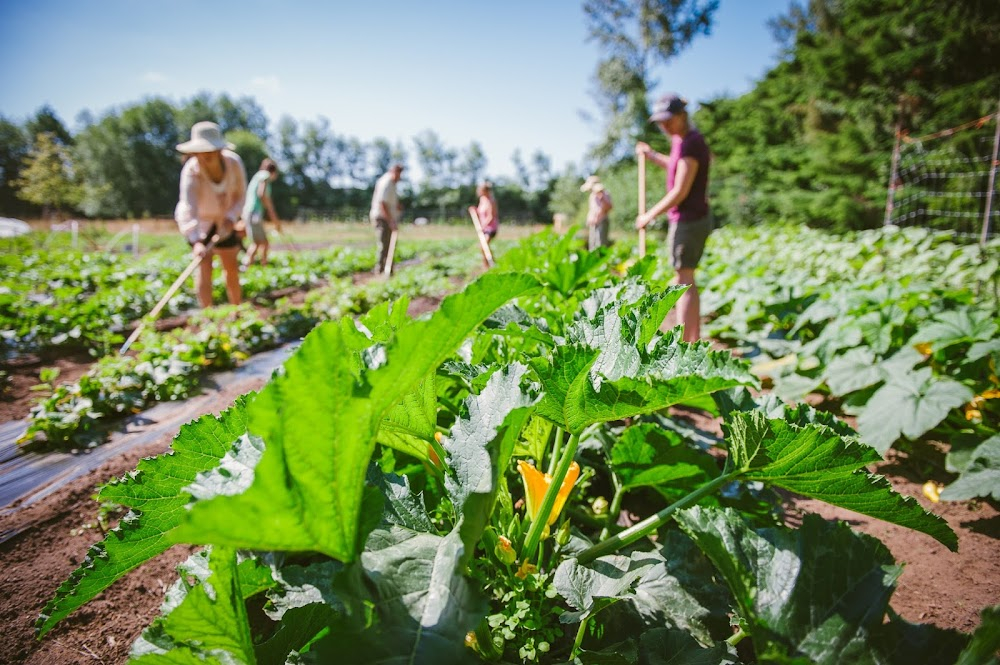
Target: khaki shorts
pixel 255 228
pixel 687 241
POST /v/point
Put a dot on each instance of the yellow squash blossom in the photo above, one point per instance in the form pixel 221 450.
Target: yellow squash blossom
pixel 536 483
pixel 525 570
pixel 924 348
pixel 972 411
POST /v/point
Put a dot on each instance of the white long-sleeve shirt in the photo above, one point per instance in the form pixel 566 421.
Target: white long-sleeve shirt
pixel 203 202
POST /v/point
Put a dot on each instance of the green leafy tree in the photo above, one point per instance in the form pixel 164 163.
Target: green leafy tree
pixel 47 121
pixel 636 35
pixel 47 177
pixel 811 142
pixel 128 161
pixel 251 148
pixel 14 147
pixel 472 167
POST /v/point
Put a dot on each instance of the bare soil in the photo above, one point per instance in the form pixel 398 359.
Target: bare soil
pixel 17 400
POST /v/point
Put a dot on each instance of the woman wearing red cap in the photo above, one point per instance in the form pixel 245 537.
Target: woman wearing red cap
pixel 686 202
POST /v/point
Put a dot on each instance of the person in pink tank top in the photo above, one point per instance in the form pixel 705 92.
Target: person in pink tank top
pixel 488 212
pixel 685 204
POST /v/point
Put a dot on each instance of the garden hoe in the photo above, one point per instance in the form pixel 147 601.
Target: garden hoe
pixel 642 203
pixel 392 253
pixel 483 243
pixel 195 262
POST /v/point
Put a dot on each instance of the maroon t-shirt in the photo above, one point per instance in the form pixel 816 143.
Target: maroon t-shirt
pixel 695 205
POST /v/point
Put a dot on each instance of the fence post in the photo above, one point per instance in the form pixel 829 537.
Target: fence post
pixel 135 240
pixel 890 198
pixel 75 229
pixel 992 180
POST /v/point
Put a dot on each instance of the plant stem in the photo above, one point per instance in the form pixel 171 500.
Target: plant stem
pixel 580 633
pixel 616 506
pixel 542 518
pixel 556 448
pixel 736 637
pixel 484 641
pixel 653 522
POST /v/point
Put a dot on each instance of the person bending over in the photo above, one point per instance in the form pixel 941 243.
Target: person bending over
pixel 212 190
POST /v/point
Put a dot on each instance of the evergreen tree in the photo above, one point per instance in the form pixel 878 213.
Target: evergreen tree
pixel 47 177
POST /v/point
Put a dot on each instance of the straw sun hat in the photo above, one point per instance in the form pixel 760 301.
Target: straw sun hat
pixel 589 183
pixel 205 137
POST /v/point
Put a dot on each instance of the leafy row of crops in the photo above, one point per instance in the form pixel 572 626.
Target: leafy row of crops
pixel 896 327
pixel 447 490
pixel 61 298
pixel 169 366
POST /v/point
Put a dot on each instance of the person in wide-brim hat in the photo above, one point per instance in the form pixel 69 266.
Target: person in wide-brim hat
pixel 205 137
pixel 212 191
pixel 589 183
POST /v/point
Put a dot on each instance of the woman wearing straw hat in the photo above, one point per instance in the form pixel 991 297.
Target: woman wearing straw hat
pixel 599 205
pixel 213 188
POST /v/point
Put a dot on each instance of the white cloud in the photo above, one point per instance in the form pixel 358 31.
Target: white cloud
pixel 269 84
pixel 153 77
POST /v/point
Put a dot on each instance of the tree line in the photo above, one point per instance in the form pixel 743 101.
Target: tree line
pixel 124 164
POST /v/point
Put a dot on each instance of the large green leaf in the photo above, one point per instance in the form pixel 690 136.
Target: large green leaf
pixel 816 461
pixel 157 494
pixel 681 591
pixel 661 646
pixel 320 420
pixel 960 326
pixel 910 404
pixel 202 622
pixel 480 447
pixel 980 476
pixel 403 506
pixel 589 588
pixel 411 424
pixel 647 455
pixel 423 606
pixel 821 591
pixel 852 371
pixel 631 381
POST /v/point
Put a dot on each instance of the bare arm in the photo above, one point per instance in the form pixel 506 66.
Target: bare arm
pixel 687 168
pixel 265 198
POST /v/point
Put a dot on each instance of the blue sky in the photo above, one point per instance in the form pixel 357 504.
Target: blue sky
pixel 514 74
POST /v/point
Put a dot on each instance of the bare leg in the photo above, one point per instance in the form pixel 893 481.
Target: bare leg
pixel 264 247
pixel 231 265
pixel 688 308
pixel 203 281
pixel 251 251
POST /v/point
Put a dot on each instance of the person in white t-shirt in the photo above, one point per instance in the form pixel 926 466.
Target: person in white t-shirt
pixel 385 212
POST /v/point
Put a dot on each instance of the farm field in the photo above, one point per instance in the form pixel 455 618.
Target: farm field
pixel 693 479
